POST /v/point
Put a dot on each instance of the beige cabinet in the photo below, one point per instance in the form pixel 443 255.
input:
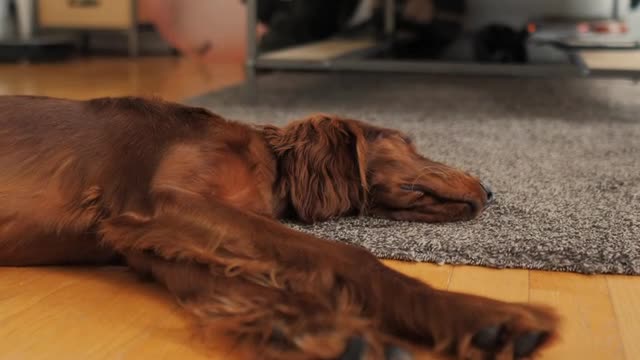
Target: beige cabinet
pixel 90 15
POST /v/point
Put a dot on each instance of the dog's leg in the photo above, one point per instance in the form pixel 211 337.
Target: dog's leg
pixel 297 273
pixel 235 272
pixel 275 322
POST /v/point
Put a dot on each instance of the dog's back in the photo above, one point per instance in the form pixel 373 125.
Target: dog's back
pixel 66 164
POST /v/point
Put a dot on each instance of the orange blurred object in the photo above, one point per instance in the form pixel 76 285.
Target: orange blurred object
pixel 609 27
pixel 531 28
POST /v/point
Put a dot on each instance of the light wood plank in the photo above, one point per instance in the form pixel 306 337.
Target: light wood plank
pixel 173 78
pixel 505 285
pixel 589 327
pixel 93 314
pixel 437 276
pixel 611 59
pixel 625 296
pixel 322 50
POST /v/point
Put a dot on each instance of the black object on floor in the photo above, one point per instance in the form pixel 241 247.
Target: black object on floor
pixel 497 43
pixel 38 49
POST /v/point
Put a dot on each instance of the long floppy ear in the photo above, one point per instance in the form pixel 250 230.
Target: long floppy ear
pixel 322 165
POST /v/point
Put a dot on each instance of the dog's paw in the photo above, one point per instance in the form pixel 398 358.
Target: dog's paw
pixel 357 349
pixel 504 331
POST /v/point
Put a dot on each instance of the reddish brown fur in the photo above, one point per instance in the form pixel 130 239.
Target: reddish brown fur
pixel 193 200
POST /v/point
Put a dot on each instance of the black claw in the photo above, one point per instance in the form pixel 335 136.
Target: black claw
pixel 490 338
pixel 355 349
pixel 396 353
pixel 526 344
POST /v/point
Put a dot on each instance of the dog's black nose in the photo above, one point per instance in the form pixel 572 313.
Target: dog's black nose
pixel 487 188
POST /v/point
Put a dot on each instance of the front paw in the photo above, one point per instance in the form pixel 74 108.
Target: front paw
pixel 357 349
pixel 487 329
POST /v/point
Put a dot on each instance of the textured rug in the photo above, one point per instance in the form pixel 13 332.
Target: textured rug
pixel 562 155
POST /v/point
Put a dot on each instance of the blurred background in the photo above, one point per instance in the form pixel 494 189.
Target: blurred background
pixel 514 31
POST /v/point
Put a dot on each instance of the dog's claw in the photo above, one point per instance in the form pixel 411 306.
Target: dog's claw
pixel 526 344
pixel 490 338
pixel 396 353
pixel 355 349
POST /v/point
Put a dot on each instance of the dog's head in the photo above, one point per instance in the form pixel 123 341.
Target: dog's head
pixel 332 166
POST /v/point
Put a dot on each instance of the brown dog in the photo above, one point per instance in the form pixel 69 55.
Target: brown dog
pixel 192 199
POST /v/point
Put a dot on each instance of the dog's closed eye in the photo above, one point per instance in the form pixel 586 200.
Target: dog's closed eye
pixel 414 188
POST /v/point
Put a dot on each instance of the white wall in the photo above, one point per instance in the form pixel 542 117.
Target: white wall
pixel 517 12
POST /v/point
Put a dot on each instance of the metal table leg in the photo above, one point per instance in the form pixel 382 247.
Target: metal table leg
pixel 252 44
pixel 389 17
pixel 132 32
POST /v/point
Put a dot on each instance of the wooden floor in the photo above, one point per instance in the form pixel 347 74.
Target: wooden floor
pixel 62 313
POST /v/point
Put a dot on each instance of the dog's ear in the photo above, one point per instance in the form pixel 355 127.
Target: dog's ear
pixel 322 162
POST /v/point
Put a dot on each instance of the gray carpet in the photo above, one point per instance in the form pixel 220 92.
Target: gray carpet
pixel 562 156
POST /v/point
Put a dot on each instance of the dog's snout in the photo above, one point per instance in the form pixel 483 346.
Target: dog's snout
pixel 488 190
